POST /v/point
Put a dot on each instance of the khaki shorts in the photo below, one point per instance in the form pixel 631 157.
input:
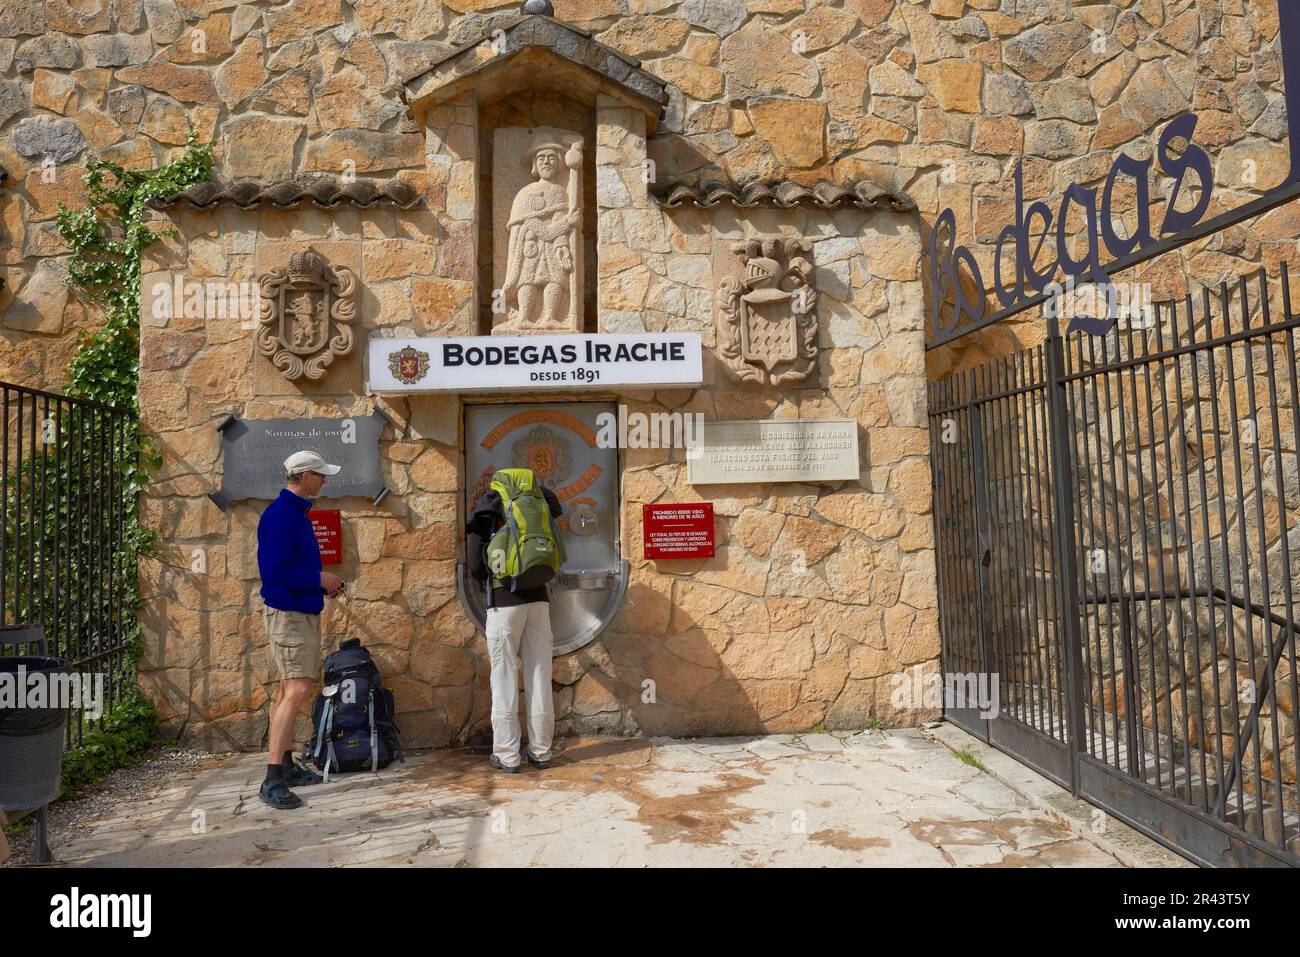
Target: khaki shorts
pixel 295 642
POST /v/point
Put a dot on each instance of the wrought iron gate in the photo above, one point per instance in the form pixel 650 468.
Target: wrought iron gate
pixel 64 560
pixel 990 434
pixel 1118 539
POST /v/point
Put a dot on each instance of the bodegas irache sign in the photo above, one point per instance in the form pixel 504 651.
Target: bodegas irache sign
pixel 567 361
pixel 1025 277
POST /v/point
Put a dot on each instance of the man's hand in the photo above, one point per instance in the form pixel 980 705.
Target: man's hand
pixel 331 583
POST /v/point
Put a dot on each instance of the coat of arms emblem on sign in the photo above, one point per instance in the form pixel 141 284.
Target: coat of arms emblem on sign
pixel 767 318
pixel 408 365
pixel 305 315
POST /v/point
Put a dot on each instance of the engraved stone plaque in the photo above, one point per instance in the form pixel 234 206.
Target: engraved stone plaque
pixel 794 450
pixel 254 450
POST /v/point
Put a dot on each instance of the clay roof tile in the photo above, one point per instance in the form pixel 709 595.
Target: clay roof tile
pixel 322 191
pixel 862 194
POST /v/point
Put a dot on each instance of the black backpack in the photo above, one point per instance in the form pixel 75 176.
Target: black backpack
pixel 352 720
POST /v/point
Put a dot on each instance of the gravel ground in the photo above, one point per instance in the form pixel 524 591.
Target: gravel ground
pixel 139 782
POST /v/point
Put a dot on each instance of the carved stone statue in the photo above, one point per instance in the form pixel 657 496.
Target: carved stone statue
pixel 542 290
pixel 767 318
pixel 305 315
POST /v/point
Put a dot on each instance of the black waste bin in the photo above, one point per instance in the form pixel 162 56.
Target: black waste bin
pixel 31 738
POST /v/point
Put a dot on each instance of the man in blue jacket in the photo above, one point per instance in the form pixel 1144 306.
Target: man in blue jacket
pixel 293 590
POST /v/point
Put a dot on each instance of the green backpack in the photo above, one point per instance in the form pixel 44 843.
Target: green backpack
pixel 527 550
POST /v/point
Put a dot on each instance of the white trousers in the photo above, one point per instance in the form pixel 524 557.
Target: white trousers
pixel 514 633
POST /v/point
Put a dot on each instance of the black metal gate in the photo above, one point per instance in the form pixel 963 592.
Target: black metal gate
pixel 65 559
pixel 1119 543
pixel 997 554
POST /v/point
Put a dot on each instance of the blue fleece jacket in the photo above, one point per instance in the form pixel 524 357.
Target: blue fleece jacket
pixel 288 557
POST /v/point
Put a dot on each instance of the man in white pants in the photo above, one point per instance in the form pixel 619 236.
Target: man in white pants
pixel 518 627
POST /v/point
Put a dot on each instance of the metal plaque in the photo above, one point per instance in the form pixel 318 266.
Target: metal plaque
pixel 534 363
pixel 559 443
pixel 327 524
pixel 784 450
pixel 254 450
pixel 683 530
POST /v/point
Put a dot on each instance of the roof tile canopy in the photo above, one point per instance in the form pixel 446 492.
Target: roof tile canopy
pixel 515 51
pixel 322 191
pixel 785 194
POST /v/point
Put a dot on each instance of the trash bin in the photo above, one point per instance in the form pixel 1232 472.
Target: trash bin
pixel 31 739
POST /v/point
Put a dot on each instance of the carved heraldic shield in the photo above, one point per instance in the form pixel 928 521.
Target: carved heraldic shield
pixel 305 315
pixel 767 318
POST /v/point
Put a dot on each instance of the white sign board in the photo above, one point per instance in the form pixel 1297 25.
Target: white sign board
pixel 795 450
pixel 570 361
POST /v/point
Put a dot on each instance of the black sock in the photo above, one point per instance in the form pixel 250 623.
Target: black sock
pixel 288 759
pixel 275 772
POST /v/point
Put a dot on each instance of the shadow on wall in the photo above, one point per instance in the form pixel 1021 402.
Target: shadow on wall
pixel 748 641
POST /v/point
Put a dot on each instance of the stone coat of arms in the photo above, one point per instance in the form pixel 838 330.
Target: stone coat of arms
pixel 305 315
pixel 767 318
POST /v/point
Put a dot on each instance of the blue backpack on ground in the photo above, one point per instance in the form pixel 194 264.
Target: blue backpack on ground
pixel 353 727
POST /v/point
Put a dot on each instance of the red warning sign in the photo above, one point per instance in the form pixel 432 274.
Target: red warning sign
pixel 327 523
pixel 678 531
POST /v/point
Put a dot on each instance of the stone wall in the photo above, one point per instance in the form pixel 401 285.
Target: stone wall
pixel 938 99
pixel 817 593
pixel 935 98
pixel 1068 92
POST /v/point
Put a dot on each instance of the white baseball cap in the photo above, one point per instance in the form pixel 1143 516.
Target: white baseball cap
pixel 309 462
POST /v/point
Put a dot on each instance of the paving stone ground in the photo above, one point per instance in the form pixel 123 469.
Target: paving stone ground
pixel 892 798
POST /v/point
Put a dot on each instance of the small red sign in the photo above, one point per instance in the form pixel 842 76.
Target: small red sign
pixel 327 523
pixel 678 531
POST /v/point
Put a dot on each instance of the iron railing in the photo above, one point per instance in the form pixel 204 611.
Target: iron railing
pixel 64 558
pixel 1117 525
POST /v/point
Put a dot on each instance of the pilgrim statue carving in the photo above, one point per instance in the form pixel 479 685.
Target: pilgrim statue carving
pixel 767 317
pixel 542 287
pixel 305 315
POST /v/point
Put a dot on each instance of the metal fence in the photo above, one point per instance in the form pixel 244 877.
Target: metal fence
pixel 1119 541
pixel 63 521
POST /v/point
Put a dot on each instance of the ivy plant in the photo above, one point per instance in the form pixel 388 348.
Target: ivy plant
pixel 107 238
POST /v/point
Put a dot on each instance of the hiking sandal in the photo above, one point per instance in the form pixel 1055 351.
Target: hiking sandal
pixel 295 775
pixel 278 796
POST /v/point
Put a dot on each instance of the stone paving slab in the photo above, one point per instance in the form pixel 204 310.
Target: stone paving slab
pixel 884 799
pixel 1005 773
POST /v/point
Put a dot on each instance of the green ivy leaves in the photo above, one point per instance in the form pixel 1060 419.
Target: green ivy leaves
pixel 108 238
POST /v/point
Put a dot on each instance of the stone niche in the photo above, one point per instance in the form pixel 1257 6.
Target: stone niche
pixel 514 119
pixel 525 210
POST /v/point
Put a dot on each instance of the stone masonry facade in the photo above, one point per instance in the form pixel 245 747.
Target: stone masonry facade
pixel 816 596
pixel 819 594
pixel 934 98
